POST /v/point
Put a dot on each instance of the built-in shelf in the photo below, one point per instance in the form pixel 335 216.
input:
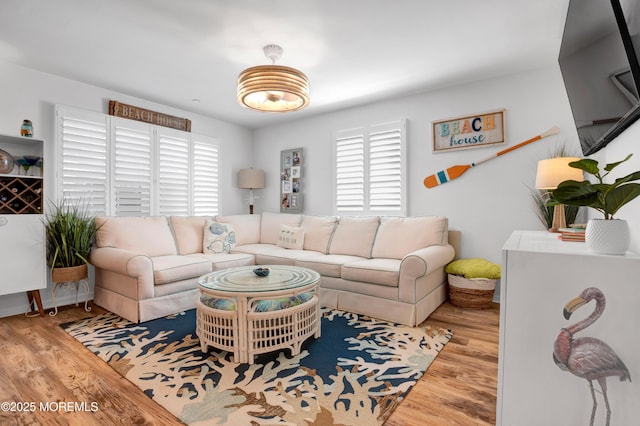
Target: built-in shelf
pixel 20 195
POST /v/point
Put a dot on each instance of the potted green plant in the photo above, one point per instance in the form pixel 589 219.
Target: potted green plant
pixel 69 232
pixel 607 236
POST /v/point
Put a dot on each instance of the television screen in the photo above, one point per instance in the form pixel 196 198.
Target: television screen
pixel 598 60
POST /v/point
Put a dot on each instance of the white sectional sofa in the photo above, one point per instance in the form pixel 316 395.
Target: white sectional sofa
pixel 390 268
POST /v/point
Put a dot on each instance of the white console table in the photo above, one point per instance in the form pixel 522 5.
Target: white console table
pixel 540 275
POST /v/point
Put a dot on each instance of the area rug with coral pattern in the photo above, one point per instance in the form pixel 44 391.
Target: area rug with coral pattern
pixel 357 373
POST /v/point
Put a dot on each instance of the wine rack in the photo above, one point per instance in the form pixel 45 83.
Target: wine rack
pixel 20 195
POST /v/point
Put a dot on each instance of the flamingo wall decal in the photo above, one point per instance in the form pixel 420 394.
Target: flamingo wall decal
pixel 588 357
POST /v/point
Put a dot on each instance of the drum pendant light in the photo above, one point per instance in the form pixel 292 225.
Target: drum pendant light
pixel 273 88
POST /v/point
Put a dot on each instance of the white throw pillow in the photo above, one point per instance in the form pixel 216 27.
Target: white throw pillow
pixel 290 237
pixel 218 237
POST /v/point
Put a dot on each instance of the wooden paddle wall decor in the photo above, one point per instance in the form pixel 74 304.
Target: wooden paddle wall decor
pixel 454 172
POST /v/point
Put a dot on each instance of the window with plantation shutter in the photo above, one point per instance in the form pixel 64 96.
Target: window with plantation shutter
pixel 173 173
pixel 370 173
pixel 120 167
pixel 349 176
pixel 131 167
pixel 83 158
pixel 385 168
pixel 205 171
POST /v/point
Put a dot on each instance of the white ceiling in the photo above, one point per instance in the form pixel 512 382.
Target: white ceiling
pixel 353 51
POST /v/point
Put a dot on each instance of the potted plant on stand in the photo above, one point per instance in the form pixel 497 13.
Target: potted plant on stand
pixel 607 235
pixel 70 232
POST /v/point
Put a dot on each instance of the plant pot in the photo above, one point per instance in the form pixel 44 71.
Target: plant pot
pixel 70 274
pixel 607 236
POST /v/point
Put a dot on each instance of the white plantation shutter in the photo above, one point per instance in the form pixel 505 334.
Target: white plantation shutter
pixel 385 168
pixel 349 173
pixel 205 171
pixel 131 167
pixel 173 173
pixel 120 167
pixel 83 158
pixel 370 173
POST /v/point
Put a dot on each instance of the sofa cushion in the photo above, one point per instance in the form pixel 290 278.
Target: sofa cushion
pixel 376 271
pixel 354 236
pixel 226 260
pixel 247 227
pixel 255 249
pixel 188 233
pixel 148 236
pixel 291 237
pixel 270 225
pixel 328 265
pixel 167 269
pixel 399 236
pixel 280 256
pixel 317 232
pixel 218 237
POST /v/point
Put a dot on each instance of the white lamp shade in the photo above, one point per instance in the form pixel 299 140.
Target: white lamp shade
pixel 551 172
pixel 251 179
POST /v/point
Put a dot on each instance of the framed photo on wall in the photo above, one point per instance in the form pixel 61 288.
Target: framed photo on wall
pixel 291 161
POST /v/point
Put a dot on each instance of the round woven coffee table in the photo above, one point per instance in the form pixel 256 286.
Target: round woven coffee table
pixel 247 314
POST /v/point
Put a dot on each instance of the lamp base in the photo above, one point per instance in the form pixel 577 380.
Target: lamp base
pixel 559 219
pixel 250 208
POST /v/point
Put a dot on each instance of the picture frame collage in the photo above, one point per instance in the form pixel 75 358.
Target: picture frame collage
pixel 291 162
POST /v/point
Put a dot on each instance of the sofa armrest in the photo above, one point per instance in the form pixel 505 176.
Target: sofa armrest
pixel 121 261
pixel 418 265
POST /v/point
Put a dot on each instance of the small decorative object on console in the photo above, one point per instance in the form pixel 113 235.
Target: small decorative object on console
pixel 261 272
pixel 6 162
pixel 26 129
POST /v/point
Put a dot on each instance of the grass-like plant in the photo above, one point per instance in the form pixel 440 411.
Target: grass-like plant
pixel 70 233
pixel 544 212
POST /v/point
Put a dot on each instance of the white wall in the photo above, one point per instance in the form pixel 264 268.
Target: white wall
pixel 28 94
pixel 486 203
pixel 625 144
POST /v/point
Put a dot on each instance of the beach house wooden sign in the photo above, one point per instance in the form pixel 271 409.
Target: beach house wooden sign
pixel 471 131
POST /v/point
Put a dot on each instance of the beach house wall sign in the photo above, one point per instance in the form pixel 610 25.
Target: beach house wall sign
pixel 470 131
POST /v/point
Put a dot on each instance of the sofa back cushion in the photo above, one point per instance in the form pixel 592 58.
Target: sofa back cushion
pixel 318 231
pixel 149 236
pixel 271 224
pixel 246 226
pixel 354 236
pixel 399 236
pixel 188 233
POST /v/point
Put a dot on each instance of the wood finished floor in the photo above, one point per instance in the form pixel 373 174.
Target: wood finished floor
pixel 41 363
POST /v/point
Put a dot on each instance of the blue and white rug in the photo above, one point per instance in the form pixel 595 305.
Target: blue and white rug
pixel 357 373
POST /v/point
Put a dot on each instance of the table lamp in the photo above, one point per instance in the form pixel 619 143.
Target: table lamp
pixel 551 172
pixel 251 179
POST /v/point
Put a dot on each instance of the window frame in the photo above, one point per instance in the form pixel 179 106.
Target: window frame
pixel 367 133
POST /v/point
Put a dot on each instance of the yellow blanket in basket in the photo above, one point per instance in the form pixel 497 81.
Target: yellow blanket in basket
pixel 474 268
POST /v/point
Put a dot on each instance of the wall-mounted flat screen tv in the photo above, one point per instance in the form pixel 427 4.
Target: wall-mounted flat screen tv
pixel 599 63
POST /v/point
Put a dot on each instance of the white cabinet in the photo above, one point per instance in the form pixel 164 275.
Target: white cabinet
pixel 22 246
pixel 541 276
pixel 22 261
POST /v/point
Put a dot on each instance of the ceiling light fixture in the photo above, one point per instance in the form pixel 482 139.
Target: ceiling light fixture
pixel 273 88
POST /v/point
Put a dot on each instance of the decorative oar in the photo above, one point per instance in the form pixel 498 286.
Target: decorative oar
pixel 454 172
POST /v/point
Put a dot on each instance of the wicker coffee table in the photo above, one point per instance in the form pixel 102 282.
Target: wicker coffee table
pixel 241 312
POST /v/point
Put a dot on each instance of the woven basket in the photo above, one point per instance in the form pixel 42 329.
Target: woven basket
pixel 471 293
pixel 69 274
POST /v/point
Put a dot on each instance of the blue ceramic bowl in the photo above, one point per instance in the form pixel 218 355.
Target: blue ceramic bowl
pixel 261 272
